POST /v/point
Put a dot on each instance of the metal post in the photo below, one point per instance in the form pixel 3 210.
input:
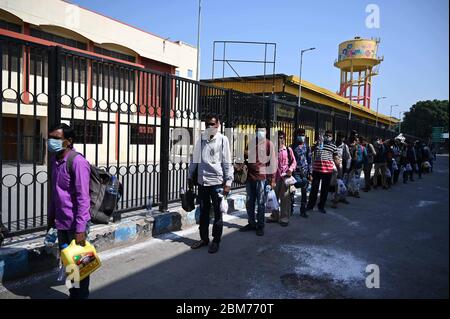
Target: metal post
pixel 400 122
pixel 300 86
pixel 378 101
pixel 198 39
pixel 164 147
pixel 299 90
pixel 54 103
pixel 197 78
pixel 390 116
pixel 269 116
pixel 228 108
pixel 351 89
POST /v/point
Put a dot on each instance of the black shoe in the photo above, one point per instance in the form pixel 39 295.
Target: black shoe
pixel 304 215
pixel 199 243
pixel 248 227
pixel 284 224
pixel 213 248
pixel 259 231
pixel 322 210
pixel 345 201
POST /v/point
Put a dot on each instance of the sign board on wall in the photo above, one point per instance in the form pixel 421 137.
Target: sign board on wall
pixel 284 112
pixel 436 134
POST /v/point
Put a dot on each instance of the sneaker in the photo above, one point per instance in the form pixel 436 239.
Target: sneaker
pixel 322 210
pixel 284 224
pixel 260 231
pixel 213 248
pixel 247 227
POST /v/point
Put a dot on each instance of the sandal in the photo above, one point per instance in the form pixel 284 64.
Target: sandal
pixel 199 244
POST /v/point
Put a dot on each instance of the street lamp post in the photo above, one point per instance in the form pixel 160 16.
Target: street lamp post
pixel 390 115
pixel 198 40
pixel 300 85
pixel 400 123
pixel 378 101
pixel 197 73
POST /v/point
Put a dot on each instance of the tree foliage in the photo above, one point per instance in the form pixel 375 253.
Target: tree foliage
pixel 423 116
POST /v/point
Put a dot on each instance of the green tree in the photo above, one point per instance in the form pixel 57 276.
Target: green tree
pixel 423 116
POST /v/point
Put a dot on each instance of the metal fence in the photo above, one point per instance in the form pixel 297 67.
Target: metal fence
pixel 126 120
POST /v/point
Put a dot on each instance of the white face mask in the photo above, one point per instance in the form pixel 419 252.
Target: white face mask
pixel 261 134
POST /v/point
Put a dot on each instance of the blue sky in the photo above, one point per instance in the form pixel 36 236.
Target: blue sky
pixel 414 37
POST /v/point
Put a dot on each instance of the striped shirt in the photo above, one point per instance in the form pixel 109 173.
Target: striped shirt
pixel 323 158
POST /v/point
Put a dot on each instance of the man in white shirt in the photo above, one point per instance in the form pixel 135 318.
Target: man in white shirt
pixel 212 169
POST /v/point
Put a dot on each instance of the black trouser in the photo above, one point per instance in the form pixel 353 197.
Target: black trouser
pixel 407 174
pixel 208 194
pixel 303 200
pixel 419 169
pixel 66 237
pixel 326 179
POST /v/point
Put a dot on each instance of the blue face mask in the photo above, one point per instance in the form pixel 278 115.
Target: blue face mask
pixel 300 139
pixel 54 145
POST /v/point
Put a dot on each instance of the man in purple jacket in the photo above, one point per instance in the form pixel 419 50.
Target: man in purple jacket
pixel 69 210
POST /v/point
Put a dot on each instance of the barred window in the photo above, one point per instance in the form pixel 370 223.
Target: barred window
pixel 93 132
pixel 12 54
pixel 115 54
pixel 58 39
pixel 142 134
pixel 77 66
pixel 10 26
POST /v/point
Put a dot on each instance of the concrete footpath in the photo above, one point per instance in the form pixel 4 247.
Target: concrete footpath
pixel 403 231
pixel 26 255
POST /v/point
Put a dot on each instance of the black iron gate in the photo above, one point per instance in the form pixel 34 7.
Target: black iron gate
pixel 127 120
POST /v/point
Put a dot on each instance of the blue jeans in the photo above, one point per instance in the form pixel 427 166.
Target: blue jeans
pixel 255 195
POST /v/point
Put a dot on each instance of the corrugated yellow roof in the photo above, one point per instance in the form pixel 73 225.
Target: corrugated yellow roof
pixel 310 86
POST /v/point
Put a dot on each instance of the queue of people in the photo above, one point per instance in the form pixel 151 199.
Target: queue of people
pixel 279 168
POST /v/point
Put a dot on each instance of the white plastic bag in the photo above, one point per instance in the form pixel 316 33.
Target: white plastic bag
pixel 354 184
pixel 341 189
pixel 292 189
pixel 272 201
pixel 290 181
pixel 61 273
pixel 388 173
pixel 223 204
pixel 394 165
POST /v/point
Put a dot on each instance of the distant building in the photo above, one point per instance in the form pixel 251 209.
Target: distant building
pixel 286 87
pixel 56 22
